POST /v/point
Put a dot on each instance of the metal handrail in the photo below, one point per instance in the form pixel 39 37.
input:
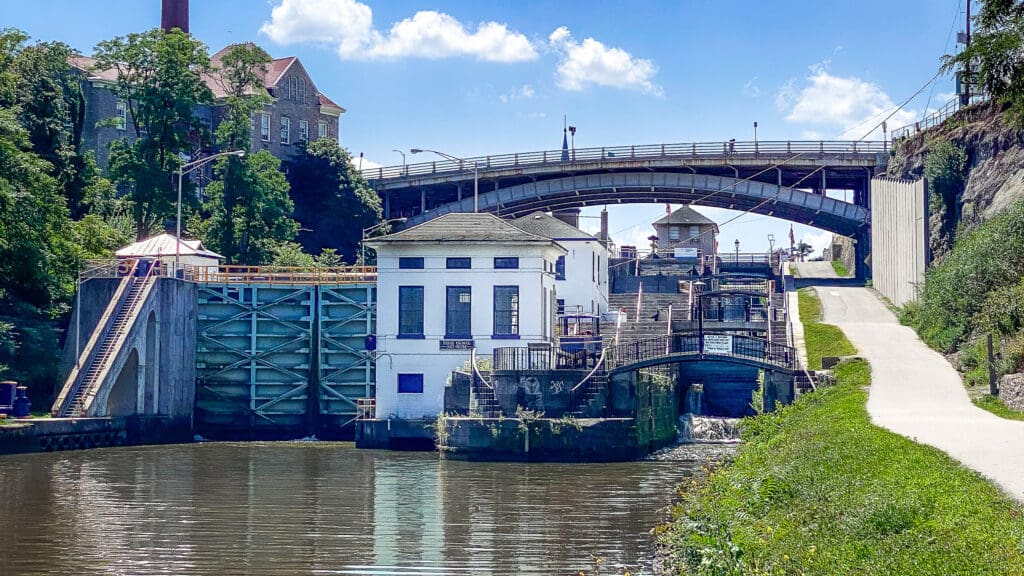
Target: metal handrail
pixel 234 274
pixel 599 364
pixel 653 348
pixel 583 156
pixel 937 117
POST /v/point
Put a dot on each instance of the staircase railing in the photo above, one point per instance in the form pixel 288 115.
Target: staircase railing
pixel 73 381
pixel 85 388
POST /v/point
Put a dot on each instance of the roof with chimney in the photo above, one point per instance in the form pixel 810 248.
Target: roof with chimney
pixel 476 227
pixel 276 70
pixel 684 215
pixel 546 225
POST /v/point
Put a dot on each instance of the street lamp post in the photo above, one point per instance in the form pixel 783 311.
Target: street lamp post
pixel 369 229
pixel 755 136
pixel 403 156
pixel 737 251
pixel 461 161
pixel 185 169
pixel 771 243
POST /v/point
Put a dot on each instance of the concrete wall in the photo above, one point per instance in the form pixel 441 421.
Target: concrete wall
pixel 899 237
pixel 546 391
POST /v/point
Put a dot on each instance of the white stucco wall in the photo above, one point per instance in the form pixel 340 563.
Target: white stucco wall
pixel 535 278
pixel 586 277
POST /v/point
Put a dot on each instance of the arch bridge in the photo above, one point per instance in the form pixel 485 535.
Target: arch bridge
pixel 730 348
pixel 784 179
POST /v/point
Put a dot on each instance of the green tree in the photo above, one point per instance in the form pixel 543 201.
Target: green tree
pixel 250 211
pixel 333 202
pixel 945 168
pixel 995 56
pixel 159 77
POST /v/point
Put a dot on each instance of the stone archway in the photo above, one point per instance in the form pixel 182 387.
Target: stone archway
pixel 124 394
pixel 151 396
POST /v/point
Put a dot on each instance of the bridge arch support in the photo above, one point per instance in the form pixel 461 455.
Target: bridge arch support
pixel 665 187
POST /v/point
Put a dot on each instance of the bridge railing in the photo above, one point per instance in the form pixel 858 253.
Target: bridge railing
pixel 747 347
pixel 525 358
pixel 229 274
pixel 695 150
pixel 937 117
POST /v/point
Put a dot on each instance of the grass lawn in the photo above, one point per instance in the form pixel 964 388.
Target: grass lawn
pixel 840 268
pixel 820 339
pixel 996 406
pixel 817 489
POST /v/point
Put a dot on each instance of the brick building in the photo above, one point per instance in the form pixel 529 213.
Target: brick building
pixel 297 111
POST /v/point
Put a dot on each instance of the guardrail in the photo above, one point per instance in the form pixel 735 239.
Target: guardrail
pixel 937 117
pixel 520 358
pixel 289 275
pixel 728 148
pixel 747 347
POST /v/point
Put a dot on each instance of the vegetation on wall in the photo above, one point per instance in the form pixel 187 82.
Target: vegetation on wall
pixel 945 169
pixel 976 288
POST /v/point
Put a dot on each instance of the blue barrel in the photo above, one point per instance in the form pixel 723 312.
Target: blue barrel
pixel 22 405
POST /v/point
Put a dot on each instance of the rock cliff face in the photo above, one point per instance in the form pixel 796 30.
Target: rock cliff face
pixel 995 168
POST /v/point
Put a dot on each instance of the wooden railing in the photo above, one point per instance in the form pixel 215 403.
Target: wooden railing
pixel 694 150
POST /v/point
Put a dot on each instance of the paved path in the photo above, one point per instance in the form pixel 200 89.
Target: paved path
pixel 917 393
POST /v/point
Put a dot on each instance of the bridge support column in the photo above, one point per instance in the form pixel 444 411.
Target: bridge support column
pixel 862 250
pixel 768 392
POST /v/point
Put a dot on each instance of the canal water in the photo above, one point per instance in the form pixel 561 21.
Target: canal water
pixel 325 508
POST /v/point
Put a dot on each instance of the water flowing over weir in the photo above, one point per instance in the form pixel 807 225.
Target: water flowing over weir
pixel 693 428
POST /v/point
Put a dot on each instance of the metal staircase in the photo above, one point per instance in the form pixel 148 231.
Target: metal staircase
pixel 100 363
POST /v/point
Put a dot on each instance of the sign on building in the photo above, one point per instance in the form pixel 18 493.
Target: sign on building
pixel 718 344
pixel 685 252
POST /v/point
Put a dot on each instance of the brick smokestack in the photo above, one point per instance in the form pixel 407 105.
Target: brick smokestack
pixel 174 15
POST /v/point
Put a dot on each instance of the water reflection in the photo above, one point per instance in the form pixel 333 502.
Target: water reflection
pixel 321 508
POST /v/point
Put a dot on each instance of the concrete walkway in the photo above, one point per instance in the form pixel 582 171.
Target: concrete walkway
pixel 917 393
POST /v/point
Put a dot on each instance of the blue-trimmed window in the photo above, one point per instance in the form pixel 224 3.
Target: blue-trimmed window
pixel 458 263
pixel 410 383
pixel 410 311
pixel 408 263
pixel 459 313
pixel 506 311
pixel 560 268
pixel 507 263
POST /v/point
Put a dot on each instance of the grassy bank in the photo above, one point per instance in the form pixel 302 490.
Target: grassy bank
pixel 820 339
pixel 817 489
pixel 840 268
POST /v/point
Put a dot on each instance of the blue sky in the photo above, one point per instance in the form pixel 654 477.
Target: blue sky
pixel 475 78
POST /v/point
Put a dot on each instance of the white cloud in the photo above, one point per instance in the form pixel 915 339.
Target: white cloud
pixel 524 92
pixel 366 164
pixel 348 24
pixel 751 88
pixel 819 240
pixel 592 63
pixel 846 105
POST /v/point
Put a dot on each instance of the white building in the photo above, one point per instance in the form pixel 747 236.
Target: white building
pixel 164 248
pixel 582 274
pixel 446 287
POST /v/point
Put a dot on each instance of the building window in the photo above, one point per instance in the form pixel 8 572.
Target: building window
pixel 286 130
pixel 560 268
pixel 122 115
pixel 410 311
pixel 410 263
pixel 458 319
pixel 458 263
pixel 303 130
pixel 265 127
pixel 506 263
pixel 410 383
pixel 321 129
pixel 694 231
pixel 673 233
pixel 506 311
